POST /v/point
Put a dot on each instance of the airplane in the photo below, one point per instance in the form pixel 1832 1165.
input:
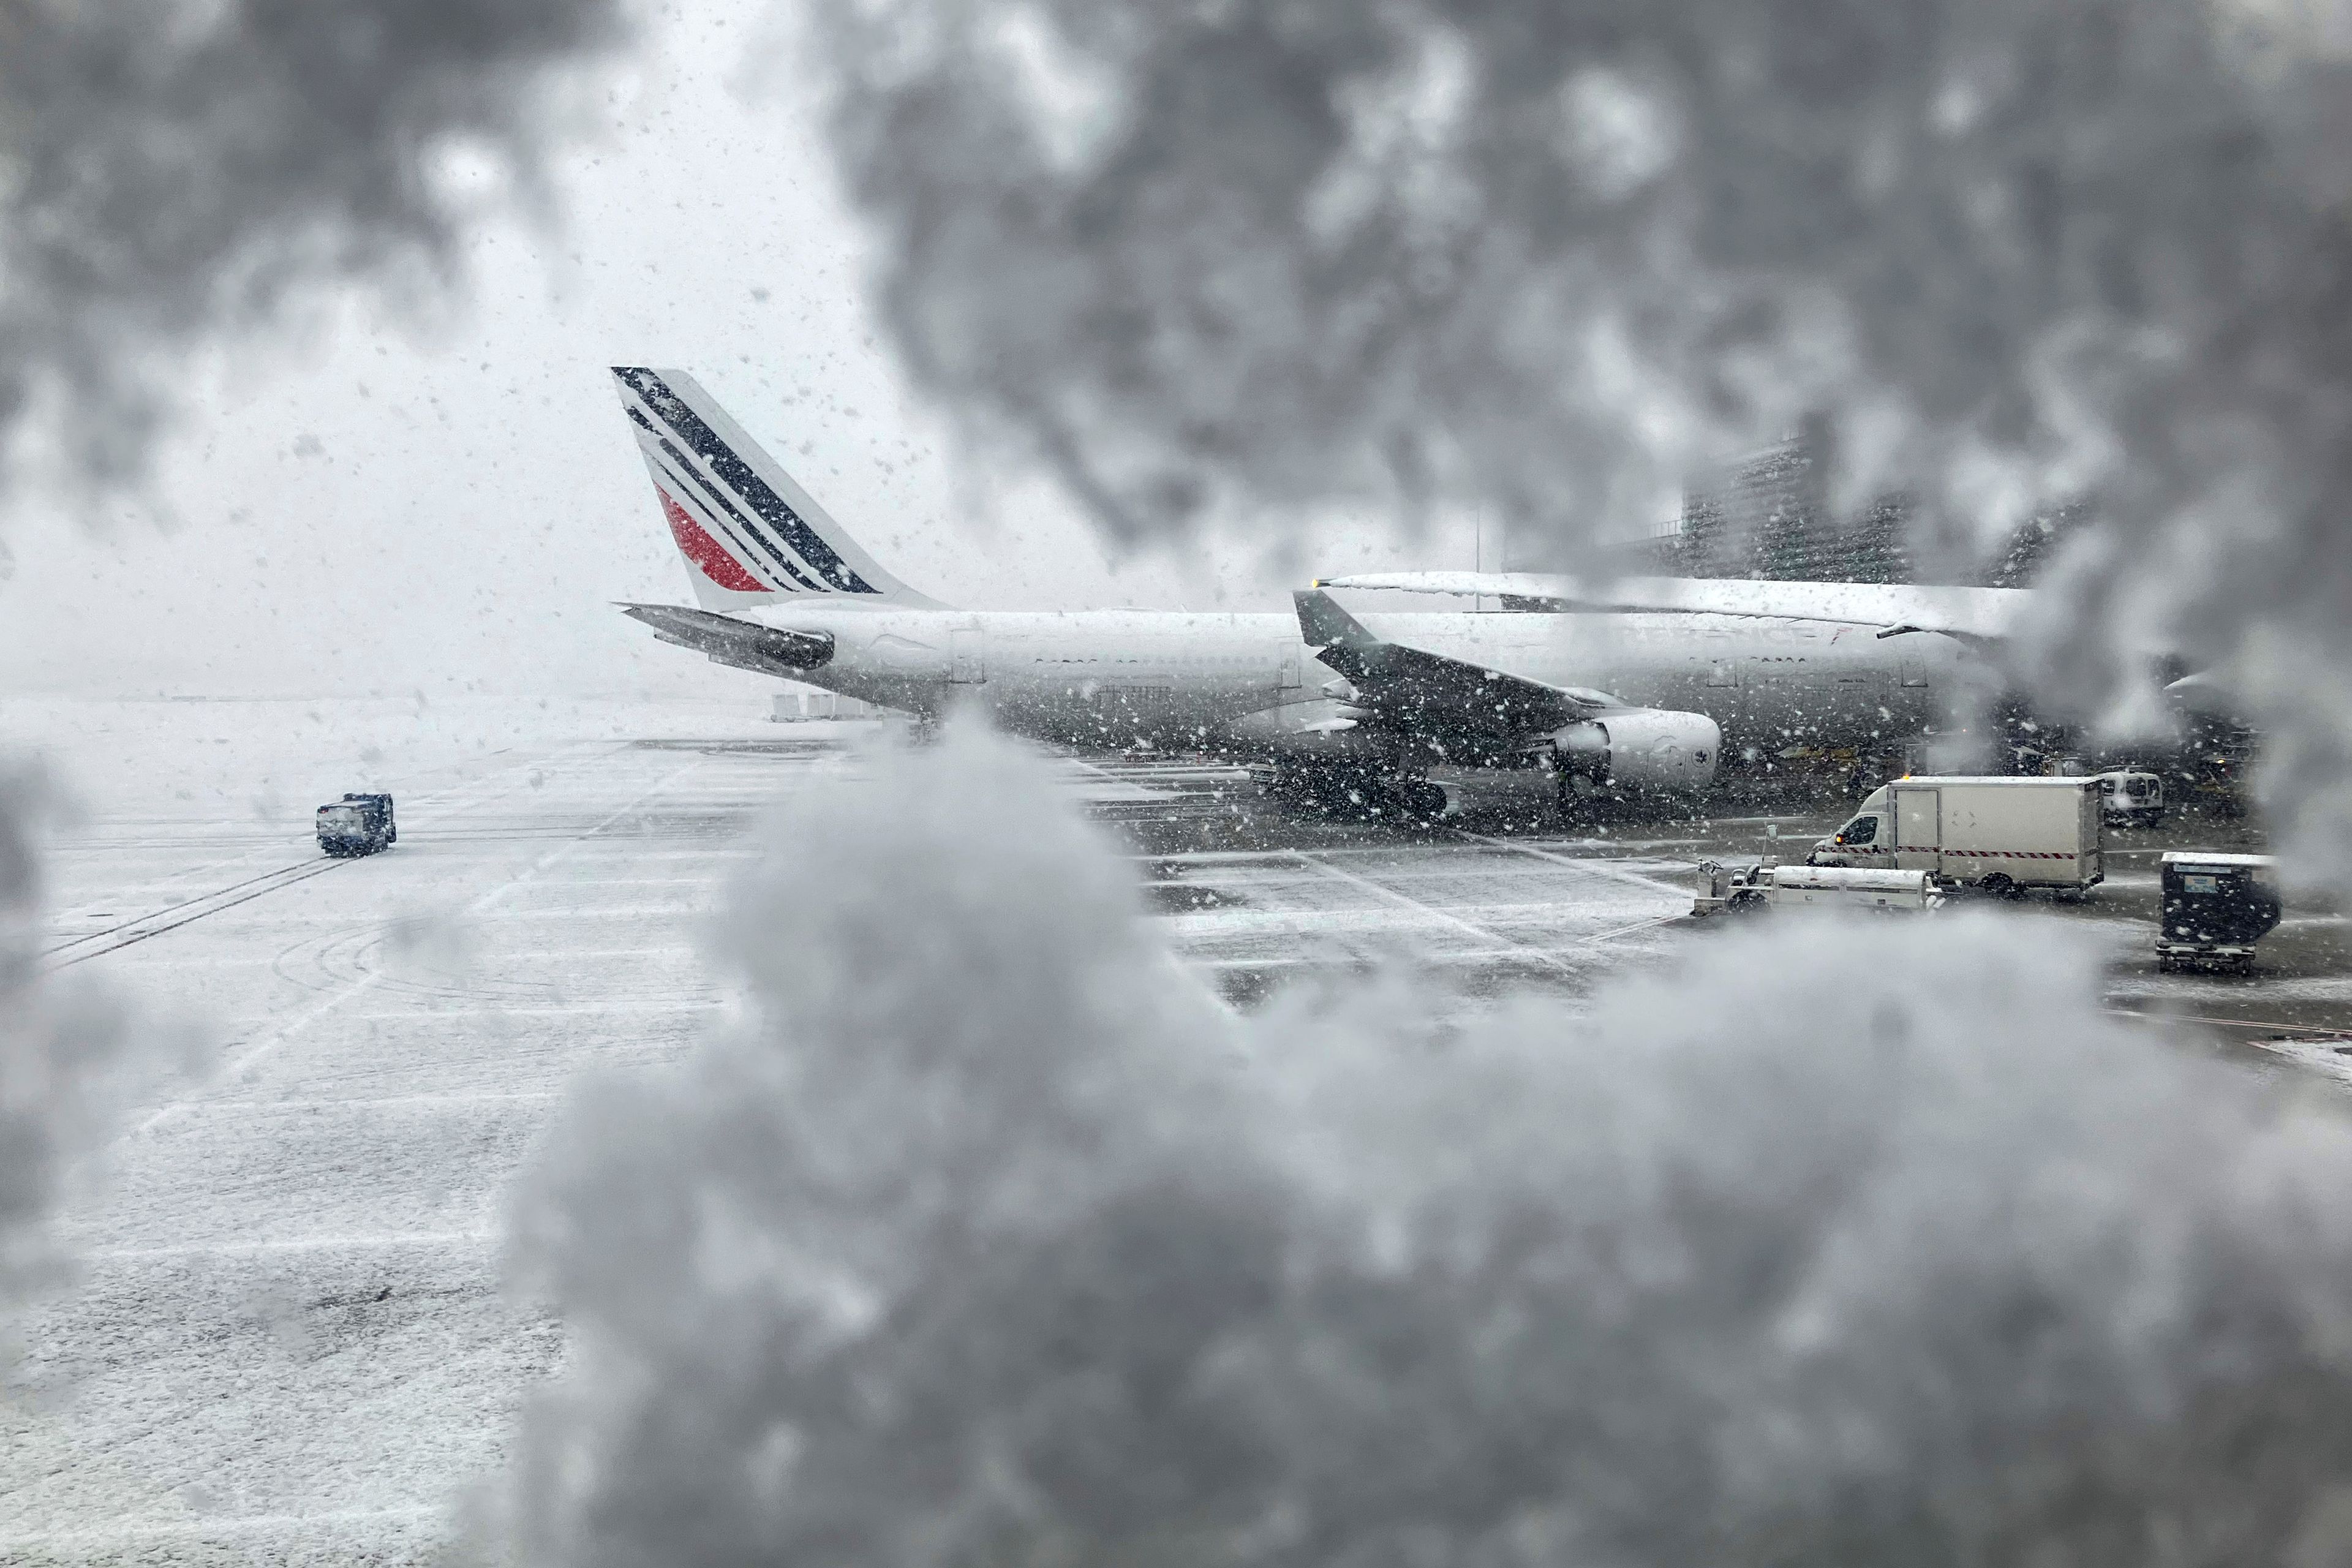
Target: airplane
pixel 1637 693
pixel 2206 742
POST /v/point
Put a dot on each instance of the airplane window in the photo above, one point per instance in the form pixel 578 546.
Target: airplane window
pixel 1861 830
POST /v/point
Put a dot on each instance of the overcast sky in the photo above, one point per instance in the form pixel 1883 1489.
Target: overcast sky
pixel 376 501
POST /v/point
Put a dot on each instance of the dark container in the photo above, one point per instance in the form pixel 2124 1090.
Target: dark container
pixel 357 825
pixel 2216 905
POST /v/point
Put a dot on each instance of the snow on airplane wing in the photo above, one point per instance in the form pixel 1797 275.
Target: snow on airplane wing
pixel 1429 695
pixel 1970 614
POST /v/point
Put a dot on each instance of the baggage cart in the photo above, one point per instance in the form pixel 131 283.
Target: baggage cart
pixel 2215 907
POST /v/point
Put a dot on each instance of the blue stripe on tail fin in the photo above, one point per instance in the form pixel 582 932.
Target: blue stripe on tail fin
pixel 785 539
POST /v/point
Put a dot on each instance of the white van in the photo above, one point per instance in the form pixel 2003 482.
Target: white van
pixel 2004 835
pixel 2133 799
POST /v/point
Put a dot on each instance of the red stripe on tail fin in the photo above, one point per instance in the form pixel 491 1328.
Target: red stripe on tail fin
pixel 708 554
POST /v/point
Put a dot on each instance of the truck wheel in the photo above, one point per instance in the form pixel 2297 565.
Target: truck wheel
pixel 2000 885
pixel 1748 901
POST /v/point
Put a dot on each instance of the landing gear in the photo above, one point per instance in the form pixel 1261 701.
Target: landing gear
pixel 1422 800
pixel 1306 788
pixel 1583 803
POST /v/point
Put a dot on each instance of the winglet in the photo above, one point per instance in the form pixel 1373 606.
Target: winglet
pixel 1323 624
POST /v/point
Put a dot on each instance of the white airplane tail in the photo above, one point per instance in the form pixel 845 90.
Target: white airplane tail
pixel 749 535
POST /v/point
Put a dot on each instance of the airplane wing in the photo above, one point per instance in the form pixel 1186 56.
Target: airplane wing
pixel 743 644
pixel 1979 616
pixel 1429 695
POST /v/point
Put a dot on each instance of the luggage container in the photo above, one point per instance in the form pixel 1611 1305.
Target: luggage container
pixel 357 825
pixel 2216 907
pixel 2003 835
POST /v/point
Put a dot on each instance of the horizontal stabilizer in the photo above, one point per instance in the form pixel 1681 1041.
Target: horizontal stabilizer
pixel 743 644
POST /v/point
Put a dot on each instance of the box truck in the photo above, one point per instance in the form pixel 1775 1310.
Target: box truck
pixel 2003 835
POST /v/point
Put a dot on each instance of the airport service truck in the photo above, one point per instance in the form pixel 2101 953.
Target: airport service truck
pixel 357 825
pixel 1768 885
pixel 2003 835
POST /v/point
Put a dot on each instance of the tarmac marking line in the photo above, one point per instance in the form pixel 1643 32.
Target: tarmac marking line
pixel 216 902
pixel 1407 901
pixel 287 875
pixel 1597 865
pixel 221 1524
pixel 381 1103
pixel 2308 1033
pixel 354 989
pixel 293 1244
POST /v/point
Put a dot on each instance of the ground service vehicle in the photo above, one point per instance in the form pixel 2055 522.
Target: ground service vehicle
pixel 357 825
pixel 1767 886
pixel 2132 799
pixel 2004 835
pixel 2216 907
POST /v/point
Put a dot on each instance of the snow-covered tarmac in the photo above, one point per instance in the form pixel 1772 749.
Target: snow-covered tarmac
pixel 291 1343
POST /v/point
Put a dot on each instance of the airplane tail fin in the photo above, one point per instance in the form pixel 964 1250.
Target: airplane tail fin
pixel 748 533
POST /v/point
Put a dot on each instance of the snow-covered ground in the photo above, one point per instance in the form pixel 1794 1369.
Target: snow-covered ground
pixel 290 1341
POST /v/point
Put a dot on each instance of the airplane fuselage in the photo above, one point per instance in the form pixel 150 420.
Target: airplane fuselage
pixel 1246 684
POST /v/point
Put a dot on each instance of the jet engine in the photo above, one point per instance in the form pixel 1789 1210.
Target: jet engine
pixel 1640 749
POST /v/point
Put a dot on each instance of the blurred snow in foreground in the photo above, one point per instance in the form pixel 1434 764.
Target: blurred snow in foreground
pixel 989 1236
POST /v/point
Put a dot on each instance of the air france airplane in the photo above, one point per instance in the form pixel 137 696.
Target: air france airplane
pixel 1630 695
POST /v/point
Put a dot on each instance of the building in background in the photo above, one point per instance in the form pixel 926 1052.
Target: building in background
pixel 1768 515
